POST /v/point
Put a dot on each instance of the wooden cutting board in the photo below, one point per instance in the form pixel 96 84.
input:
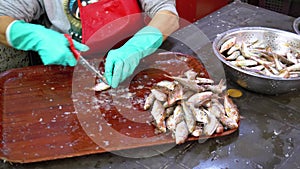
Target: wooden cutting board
pixel 50 112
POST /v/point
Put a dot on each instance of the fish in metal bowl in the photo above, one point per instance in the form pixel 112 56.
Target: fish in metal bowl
pixel 260 59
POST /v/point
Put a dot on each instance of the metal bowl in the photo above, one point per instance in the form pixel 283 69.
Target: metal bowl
pixel 253 81
pixel 296 25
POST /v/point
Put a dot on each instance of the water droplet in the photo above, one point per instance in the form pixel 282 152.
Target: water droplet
pixel 277 133
pixel 106 143
pixel 259 166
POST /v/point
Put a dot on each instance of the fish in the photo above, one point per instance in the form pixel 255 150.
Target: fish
pixel 159 95
pixel 188 116
pixel 217 89
pixel 101 87
pixel 175 118
pixel 149 101
pixel 186 95
pixel 295 67
pixel 233 55
pixel 167 84
pixel 181 132
pixel 246 52
pixel 178 114
pixel 227 44
pixel 175 95
pixel 201 80
pixel 190 105
pixel 220 128
pixel 216 108
pixel 198 131
pixel 241 63
pixel 190 74
pixel 158 113
pixel 197 99
pixel 210 127
pixel 231 109
pixel 234 48
pixel 169 111
pixel 171 123
pixel 189 83
pixel 229 122
pixel 200 115
pixel 278 61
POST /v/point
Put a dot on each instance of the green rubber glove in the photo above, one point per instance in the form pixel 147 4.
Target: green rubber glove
pixel 121 63
pixel 52 46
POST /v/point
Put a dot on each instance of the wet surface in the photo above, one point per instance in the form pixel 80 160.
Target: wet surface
pixel 269 130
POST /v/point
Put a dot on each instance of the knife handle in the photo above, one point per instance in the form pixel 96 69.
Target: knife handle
pixel 72 47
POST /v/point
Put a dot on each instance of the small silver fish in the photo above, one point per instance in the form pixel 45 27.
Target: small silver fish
pixel 149 101
pixel 188 83
pixel 181 132
pixel 188 116
pixel 190 74
pixel 158 113
pixel 175 118
pixel 202 80
pixel 227 44
pixel 217 89
pixel 169 111
pixel 197 99
pixel 187 94
pixel 171 123
pixel 175 95
pixel 197 131
pixel 216 108
pixel 246 62
pixel 231 109
pixel 211 126
pixel 101 87
pixel 168 84
pixel 220 128
pixel 234 48
pixel 234 55
pixel 159 95
pixel 199 114
pixel 178 114
pixel 229 122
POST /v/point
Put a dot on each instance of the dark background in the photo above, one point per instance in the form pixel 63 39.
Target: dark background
pixel 288 7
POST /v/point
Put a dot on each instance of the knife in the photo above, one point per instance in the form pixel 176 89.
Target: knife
pixel 83 61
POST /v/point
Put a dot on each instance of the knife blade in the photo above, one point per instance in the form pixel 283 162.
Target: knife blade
pixel 83 61
pixel 91 68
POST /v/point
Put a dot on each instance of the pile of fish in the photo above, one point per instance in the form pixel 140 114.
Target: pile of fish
pixel 191 105
pixel 258 57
